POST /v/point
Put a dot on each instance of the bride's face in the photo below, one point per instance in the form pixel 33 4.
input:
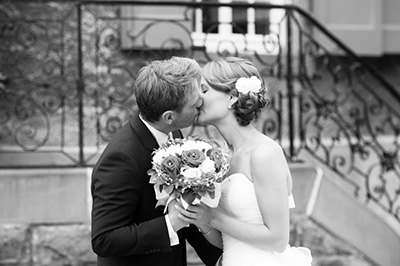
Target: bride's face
pixel 215 105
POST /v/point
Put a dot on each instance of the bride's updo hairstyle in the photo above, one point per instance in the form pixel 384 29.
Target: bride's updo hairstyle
pixel 223 75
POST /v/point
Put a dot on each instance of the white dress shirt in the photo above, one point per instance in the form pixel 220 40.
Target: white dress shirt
pixel 161 138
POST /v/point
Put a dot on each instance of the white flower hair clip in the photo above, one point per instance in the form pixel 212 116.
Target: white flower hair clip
pixel 245 85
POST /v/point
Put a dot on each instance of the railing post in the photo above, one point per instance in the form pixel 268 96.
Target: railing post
pixel 80 86
pixel 289 81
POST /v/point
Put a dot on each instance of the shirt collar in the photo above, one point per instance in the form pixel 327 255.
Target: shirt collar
pixel 160 137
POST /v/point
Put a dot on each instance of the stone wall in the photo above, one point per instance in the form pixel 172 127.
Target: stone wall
pixel 46 245
pixel 69 245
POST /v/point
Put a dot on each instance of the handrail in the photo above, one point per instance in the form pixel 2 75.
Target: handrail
pixel 350 52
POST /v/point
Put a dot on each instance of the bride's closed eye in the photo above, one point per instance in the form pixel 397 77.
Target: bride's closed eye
pixel 204 89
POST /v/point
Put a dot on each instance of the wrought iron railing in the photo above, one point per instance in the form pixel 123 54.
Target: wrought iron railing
pixel 67 70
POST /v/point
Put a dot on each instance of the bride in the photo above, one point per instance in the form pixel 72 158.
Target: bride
pixel 253 213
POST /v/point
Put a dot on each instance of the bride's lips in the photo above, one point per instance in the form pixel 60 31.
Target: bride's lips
pixel 196 119
pixel 197 116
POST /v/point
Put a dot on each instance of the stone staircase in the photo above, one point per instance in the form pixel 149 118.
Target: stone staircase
pixel 326 201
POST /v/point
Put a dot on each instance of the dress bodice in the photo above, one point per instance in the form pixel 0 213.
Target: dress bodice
pixel 238 199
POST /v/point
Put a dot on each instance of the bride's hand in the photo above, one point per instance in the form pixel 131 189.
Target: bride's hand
pixel 199 215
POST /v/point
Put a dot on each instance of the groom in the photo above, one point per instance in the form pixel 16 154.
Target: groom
pixel 127 228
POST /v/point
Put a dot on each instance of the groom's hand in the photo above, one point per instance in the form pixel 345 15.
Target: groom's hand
pixel 199 214
pixel 173 214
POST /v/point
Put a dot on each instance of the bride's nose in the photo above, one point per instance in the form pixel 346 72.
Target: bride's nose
pixel 200 102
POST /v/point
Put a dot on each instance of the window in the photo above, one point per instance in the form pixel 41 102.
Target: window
pixel 239 20
pixel 262 21
pixel 237 29
pixel 210 19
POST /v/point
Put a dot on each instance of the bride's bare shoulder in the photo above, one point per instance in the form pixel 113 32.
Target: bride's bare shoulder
pixel 265 142
pixel 265 148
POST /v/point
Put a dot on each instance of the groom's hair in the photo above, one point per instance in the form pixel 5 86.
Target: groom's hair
pixel 164 85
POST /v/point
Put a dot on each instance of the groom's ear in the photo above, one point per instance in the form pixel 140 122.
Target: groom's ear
pixel 168 117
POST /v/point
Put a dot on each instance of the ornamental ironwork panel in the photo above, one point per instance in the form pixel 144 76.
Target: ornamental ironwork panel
pixel 38 96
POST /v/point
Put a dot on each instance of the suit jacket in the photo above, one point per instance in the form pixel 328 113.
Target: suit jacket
pixel 127 229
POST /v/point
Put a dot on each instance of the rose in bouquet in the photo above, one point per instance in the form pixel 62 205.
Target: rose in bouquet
pixel 189 168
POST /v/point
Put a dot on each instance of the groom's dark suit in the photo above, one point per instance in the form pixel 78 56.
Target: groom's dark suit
pixel 127 229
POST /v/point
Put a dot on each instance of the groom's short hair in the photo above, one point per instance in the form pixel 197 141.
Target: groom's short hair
pixel 164 85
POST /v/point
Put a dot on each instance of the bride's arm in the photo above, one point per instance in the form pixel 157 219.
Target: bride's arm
pixel 269 173
pixel 212 235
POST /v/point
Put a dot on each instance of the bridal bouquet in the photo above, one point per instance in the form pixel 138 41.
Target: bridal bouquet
pixel 190 169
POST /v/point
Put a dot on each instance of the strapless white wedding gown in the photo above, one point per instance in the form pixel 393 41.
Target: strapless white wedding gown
pixel 238 199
